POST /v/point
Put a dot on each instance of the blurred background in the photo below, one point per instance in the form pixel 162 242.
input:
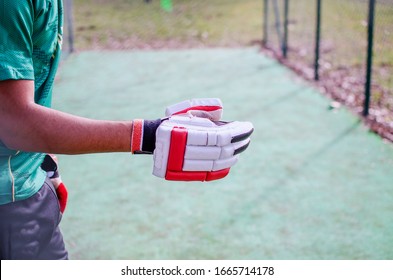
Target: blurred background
pixel 288 28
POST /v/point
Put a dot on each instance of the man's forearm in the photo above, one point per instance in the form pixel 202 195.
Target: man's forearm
pixel 27 126
pixel 40 129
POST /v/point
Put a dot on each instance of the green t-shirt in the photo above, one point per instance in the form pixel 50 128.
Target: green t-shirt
pixel 30 48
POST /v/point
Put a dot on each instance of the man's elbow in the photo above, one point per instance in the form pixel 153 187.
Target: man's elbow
pixel 16 143
pixel 9 143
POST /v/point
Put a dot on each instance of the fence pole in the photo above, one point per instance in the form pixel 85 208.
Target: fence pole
pixel 265 22
pixel 70 25
pixel 278 23
pixel 317 40
pixel 371 9
pixel 285 41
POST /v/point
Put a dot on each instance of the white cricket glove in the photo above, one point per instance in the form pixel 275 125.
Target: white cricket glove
pixel 192 144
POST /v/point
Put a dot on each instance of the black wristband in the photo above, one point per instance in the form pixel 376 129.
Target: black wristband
pixel 149 135
pixel 143 137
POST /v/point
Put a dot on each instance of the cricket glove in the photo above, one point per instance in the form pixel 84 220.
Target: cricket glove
pixel 51 167
pixel 191 143
pixel 198 149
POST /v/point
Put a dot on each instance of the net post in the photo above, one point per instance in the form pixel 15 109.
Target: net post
pixel 265 22
pixel 285 41
pixel 317 40
pixel 370 37
pixel 70 25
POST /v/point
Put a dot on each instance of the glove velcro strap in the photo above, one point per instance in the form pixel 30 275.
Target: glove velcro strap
pixel 143 136
pixel 136 136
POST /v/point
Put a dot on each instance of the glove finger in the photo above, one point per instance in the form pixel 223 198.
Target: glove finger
pixel 209 165
pixel 242 148
pixel 212 115
pixel 212 105
pixel 234 132
pixel 203 152
pixel 211 134
pixel 225 163
pixel 234 148
pixel 245 135
pixel 215 152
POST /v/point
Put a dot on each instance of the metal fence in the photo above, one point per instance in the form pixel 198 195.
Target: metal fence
pixel 346 45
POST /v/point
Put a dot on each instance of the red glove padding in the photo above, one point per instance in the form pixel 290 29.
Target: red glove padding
pixel 62 194
pixel 51 167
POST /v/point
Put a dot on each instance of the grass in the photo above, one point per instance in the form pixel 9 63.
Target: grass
pixel 128 24
pixel 133 23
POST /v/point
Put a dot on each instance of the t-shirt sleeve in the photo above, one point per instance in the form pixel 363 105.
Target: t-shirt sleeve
pixel 16 47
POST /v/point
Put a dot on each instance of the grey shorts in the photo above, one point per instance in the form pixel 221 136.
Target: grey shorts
pixel 29 229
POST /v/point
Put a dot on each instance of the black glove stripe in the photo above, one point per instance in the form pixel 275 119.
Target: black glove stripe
pixel 241 149
pixel 242 137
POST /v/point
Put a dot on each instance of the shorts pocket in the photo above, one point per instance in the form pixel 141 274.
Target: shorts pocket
pixel 50 186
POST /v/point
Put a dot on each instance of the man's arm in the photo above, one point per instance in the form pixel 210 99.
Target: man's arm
pixel 26 126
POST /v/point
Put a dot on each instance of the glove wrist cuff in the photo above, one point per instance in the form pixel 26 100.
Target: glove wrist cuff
pixel 143 136
pixel 136 135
